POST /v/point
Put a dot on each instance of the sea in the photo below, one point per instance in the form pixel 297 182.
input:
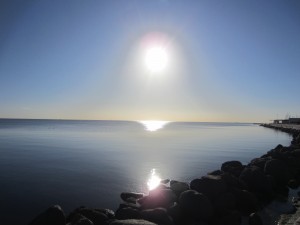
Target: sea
pixel 76 163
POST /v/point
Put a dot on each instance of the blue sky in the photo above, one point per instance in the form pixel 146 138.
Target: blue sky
pixel 73 59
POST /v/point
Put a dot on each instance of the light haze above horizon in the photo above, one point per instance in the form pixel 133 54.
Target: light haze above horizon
pixel 206 60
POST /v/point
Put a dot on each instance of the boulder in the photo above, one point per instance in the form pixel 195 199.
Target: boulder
pixel 131 222
pixel 195 204
pixel 178 187
pixel 259 162
pixel 233 167
pixel 278 170
pixel 53 215
pixel 246 202
pixel 232 181
pixel 211 186
pixel 215 173
pixel 79 219
pixel 83 221
pixel 96 216
pixel 177 214
pixel 256 180
pixel 224 203
pixel 108 212
pixel 158 215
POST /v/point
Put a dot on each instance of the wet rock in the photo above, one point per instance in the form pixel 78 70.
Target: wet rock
pixel 278 170
pixel 254 219
pixel 178 187
pixel 256 180
pixel 128 213
pixel 131 222
pixel 233 167
pixel 211 186
pixel 53 215
pixel 195 204
pixel 131 197
pixel 158 215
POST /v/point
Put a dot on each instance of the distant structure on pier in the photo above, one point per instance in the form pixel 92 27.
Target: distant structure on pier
pixel 287 121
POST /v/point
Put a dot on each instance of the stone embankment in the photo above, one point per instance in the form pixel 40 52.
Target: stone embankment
pixel 232 195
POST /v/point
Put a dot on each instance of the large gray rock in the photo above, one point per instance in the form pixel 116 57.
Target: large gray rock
pixel 53 215
pixel 196 205
pixel 211 186
pixel 131 222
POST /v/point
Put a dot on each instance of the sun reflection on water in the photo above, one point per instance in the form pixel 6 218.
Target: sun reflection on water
pixel 153 181
pixel 153 125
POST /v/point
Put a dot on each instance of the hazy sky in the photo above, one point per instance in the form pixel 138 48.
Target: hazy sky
pixel 84 59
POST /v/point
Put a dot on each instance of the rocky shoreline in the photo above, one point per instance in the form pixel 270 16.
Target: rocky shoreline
pixel 233 195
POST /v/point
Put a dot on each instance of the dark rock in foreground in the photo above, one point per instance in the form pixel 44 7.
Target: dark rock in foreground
pixel 195 204
pixel 53 215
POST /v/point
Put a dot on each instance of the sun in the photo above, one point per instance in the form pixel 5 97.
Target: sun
pixel 156 58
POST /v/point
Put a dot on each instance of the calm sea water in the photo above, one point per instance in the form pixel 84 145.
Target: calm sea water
pixel 74 163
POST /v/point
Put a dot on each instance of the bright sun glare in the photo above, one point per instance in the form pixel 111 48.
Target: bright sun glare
pixel 156 58
pixel 153 125
pixel 153 181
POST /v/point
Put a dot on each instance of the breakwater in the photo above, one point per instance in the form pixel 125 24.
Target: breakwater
pixel 227 195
